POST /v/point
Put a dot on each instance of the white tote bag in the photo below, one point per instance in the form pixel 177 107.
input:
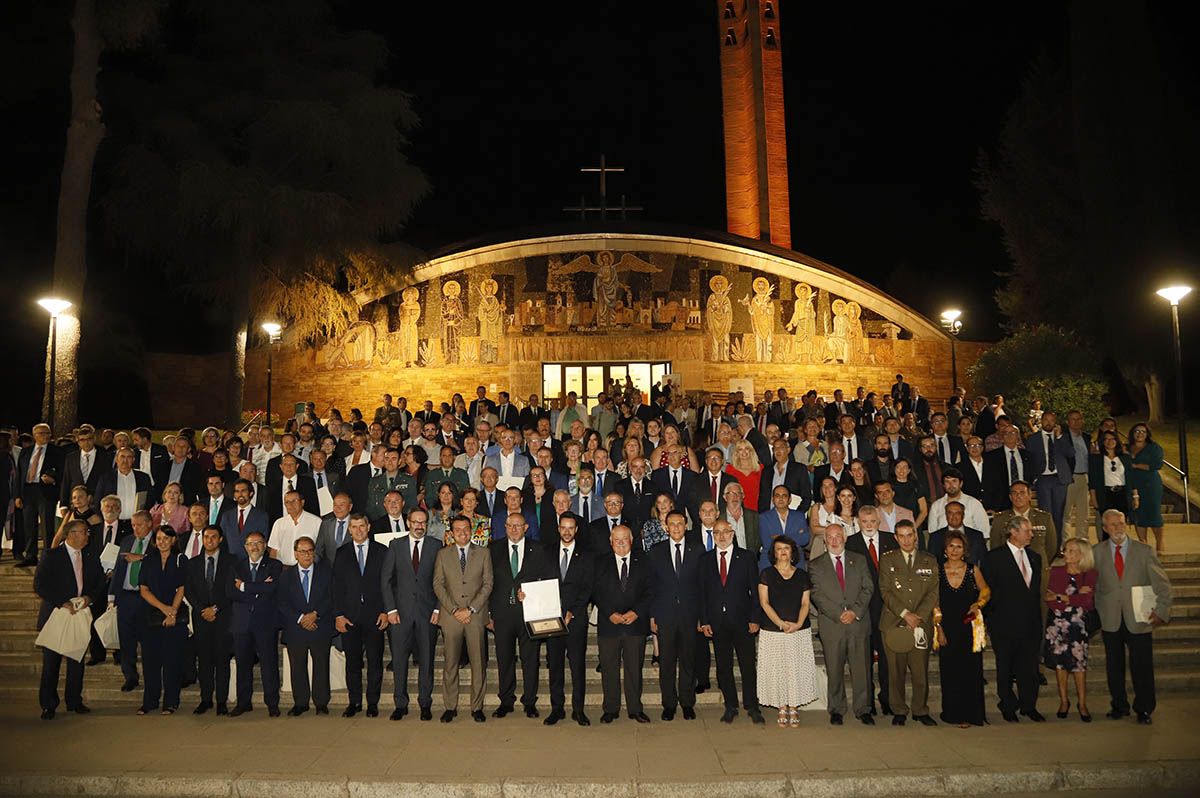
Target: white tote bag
pixel 67 634
pixel 107 631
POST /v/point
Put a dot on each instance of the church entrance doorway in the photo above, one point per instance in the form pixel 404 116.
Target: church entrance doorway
pixel 587 380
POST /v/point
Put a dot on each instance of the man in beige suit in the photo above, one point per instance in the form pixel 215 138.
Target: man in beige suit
pixel 462 582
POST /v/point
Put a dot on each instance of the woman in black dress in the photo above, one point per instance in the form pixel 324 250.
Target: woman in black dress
pixel 162 578
pixel 962 592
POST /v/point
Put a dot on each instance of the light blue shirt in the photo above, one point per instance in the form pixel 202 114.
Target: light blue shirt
pixel 1081 453
pixel 176 471
pixel 1124 547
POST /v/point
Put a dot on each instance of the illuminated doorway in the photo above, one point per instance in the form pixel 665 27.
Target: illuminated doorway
pixel 587 380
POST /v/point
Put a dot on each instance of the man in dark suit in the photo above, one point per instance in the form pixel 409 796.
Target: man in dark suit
pixel 290 479
pixel 836 468
pixel 638 494
pixel 873 544
pixel 713 472
pixel 515 559
pixel 67 572
pixel 972 467
pixel 153 460
pixel 124 594
pixel 39 469
pixel 358 478
pixel 256 624
pixel 186 471
pixel 209 590
pixel 323 474
pixel 1002 467
pixel 506 412
pixel 412 610
pixel 532 413
pixel 242 519
pixel 918 405
pixel 837 408
pixel 574 567
pixel 976 543
pixel 729 614
pixel 287 445
pixel 1014 617
pixel 680 482
pixel 126 481
pixel 622 596
pixel 481 405
pixel 674 613
pixel 855 444
pixel 358 613
pixel 594 537
pixel 305 600
pixel 83 465
pixel 785 471
pixel 901 394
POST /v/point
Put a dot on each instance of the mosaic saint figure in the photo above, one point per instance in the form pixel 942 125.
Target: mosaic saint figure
pixel 857 342
pixel 491 321
pixel 803 323
pixel 452 318
pixel 607 290
pixel 837 344
pixel 762 318
pixel 409 315
pixel 719 316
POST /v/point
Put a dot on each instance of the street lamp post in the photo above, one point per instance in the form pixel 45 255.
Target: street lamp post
pixel 1173 294
pixel 54 306
pixel 952 321
pixel 272 329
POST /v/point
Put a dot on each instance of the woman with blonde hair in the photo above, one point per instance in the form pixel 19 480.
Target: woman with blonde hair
pixel 171 511
pixel 1070 596
pixel 631 450
pixel 671 436
pixel 747 470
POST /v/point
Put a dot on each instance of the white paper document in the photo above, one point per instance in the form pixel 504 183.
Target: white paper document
pixel 387 537
pixel 795 502
pixel 1143 602
pixel 324 500
pixel 541 600
pixel 504 483
pixel 108 557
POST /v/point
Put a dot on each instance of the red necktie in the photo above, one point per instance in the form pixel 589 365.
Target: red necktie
pixel 416 557
pixel 874 554
pixel 724 570
pixel 714 490
pixel 841 573
pixel 195 543
pixel 1119 562
pixel 241 519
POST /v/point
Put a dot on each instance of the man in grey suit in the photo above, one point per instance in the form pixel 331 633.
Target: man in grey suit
pixel 508 462
pixel 841 591
pixel 462 582
pixel 1121 565
pixel 409 601
pixel 335 528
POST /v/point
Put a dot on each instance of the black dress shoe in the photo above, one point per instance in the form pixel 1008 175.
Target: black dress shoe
pixel 884 709
pixel 532 712
pixel 640 717
pixel 1117 714
pixel 702 686
pixel 501 711
pixel 1011 717
pixel 1035 716
pixel 478 716
pixel 1144 718
pixel 239 711
pixel 296 712
pixel 898 720
pixel 322 710
pixel 350 711
pixel 581 718
pixel 554 717
pixel 426 713
pixel 27 562
pixel 80 709
pixel 372 711
pixel 95 661
pixel 668 714
pixel 835 719
pixel 689 713
pixel 448 715
pixel 1042 679
pixel 608 717
pixel 654 659
pixel 399 712
pixel 729 715
pixel 47 714
pixel 867 720
pixel 222 709
pixel 925 720
pixel 201 708
pixel 129 686
pixel 756 717
pixel 272 711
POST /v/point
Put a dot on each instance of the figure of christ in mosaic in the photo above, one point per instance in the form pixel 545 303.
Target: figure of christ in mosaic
pixel 762 318
pixel 719 317
pixel 803 324
pixel 491 321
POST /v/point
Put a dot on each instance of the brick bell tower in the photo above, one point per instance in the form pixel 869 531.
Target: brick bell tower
pixel 756 179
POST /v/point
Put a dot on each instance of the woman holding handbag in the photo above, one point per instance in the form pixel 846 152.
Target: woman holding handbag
pixel 1070 597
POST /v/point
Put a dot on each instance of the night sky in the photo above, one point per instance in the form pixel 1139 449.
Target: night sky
pixel 887 111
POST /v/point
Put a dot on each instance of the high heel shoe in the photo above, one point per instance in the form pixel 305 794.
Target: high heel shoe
pixel 1086 717
pixel 1064 712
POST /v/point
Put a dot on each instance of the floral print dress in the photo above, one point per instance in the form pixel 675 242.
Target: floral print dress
pixel 1066 631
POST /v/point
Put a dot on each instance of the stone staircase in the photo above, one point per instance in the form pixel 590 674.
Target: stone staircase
pixel 1176 653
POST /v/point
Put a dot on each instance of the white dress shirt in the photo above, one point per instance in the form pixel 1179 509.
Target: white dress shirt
pixel 287 530
pixel 127 493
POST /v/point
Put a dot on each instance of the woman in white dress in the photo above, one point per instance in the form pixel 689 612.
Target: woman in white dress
pixel 787 666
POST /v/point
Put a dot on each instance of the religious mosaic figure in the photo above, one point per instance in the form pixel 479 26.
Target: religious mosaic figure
pixel 857 347
pixel 452 318
pixel 803 323
pixel 609 294
pixel 491 321
pixel 837 343
pixel 719 316
pixel 410 314
pixel 762 318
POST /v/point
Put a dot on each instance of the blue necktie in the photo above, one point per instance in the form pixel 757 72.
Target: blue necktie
pixel 362 559
pixel 462 559
pixel 341 533
pixel 600 485
pixel 708 539
pixel 304 583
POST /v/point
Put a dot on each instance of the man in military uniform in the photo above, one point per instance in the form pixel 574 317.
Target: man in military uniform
pixel 391 478
pixel 908 584
pixel 1045 535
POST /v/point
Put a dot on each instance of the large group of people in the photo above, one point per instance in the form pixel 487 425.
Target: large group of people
pixel 698 528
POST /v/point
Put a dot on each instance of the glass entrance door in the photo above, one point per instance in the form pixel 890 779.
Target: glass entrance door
pixel 587 380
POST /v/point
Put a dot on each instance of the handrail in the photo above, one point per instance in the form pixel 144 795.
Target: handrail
pixel 1187 502
pixel 253 418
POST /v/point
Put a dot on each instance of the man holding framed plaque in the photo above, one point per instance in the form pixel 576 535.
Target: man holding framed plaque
pixel 574 571
pixel 515 559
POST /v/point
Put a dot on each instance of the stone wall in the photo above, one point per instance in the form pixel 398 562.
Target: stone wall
pixel 187 390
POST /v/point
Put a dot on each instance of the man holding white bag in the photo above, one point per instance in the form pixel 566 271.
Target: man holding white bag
pixel 66 573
